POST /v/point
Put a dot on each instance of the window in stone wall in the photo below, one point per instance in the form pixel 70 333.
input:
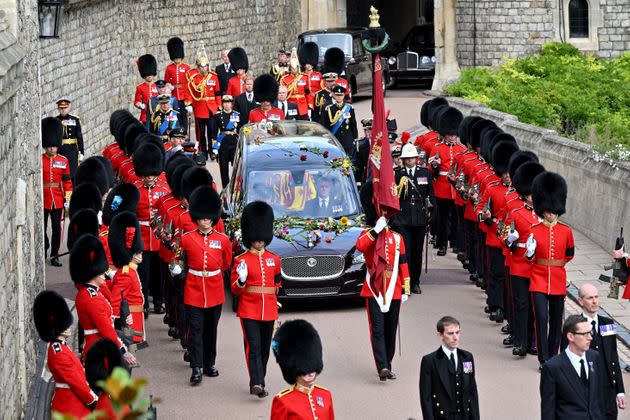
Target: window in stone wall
pixel 578 19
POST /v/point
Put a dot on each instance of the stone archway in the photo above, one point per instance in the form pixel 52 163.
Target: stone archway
pixel 445 24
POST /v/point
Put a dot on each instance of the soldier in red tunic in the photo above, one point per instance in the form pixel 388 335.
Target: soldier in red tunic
pixel 147 66
pixel 309 57
pixel 206 253
pixel 255 280
pixel 297 85
pixel 123 197
pixel 549 247
pixel 240 64
pixel 53 321
pixel 265 92
pixel 175 75
pixel 426 116
pixel 57 184
pixel 383 306
pixel 298 351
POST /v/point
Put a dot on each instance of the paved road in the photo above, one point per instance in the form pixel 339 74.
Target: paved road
pixel 508 388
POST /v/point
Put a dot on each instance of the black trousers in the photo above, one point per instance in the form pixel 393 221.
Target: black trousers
pixel 456 237
pixel 181 321
pixel 413 237
pixel 226 156
pixel 202 335
pixel 471 245
pixel 444 215
pixel 70 152
pixel 383 332
pixel 202 131
pixel 56 216
pixel 548 310
pixel 496 282
pixel 482 264
pixel 170 296
pixel 508 298
pixel 522 308
pixel 257 341
pixel 150 272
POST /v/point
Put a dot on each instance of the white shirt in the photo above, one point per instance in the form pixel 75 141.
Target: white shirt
pixel 249 96
pixel 323 202
pixel 590 321
pixel 411 171
pixel 448 353
pixel 284 107
pixel 575 361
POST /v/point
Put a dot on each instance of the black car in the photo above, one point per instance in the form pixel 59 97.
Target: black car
pixel 287 164
pixel 413 59
pixel 358 61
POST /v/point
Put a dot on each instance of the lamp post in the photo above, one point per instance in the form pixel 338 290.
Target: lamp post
pixel 49 13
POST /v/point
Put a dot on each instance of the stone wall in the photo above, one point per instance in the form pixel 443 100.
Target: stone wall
pixel 93 61
pixel 614 35
pixel 21 231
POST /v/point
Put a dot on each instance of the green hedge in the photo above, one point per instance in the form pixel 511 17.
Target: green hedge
pixel 581 97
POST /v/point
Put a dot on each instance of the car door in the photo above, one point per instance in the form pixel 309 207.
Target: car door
pixel 363 65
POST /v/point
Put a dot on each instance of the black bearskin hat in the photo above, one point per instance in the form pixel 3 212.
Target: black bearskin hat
pixel 51 315
pixel 501 154
pixel 174 161
pixel 121 128
pixel 130 135
pixel 84 221
pixel 464 129
pixel 434 104
pixel 109 171
pixel 238 59
pixel 192 178
pixel 366 193
pixel 85 196
pixel 486 144
pixel 549 193
pixel 435 117
pixel 309 54
pixel 116 118
pixel 123 197
pixel 257 223
pixel 518 159
pixel 148 160
pixel 265 88
pixel 334 60
pixel 100 360
pixel 474 135
pixel 448 121
pixel 175 47
pixel 91 170
pixel 176 179
pixel 503 136
pixel 87 259
pixel 524 177
pixel 298 349
pixel 124 238
pixel 146 137
pixel 147 65
pixel 424 113
pixel 205 203
pixel 52 132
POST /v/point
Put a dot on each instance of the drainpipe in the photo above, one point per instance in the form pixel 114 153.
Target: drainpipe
pixel 20 222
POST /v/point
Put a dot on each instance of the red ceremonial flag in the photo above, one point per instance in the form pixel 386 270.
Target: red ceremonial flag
pixel 385 196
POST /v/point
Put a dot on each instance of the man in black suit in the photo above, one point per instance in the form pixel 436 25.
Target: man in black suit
pixel 324 205
pixel 571 385
pixel 245 102
pixel 448 389
pixel 224 72
pixel 290 109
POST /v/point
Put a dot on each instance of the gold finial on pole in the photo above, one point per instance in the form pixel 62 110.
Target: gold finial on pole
pixel 374 17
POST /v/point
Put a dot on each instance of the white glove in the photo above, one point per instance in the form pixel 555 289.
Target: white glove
pixel 189 109
pixel 404 298
pixel 141 106
pixel 241 270
pixel 66 205
pixel 80 157
pixel 531 246
pixel 512 236
pixel 381 223
pixel 129 320
pixel 112 273
pixel 176 270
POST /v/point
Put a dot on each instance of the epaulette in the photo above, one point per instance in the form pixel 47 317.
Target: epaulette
pixel 493 183
pixel 242 253
pixel 536 224
pixel 284 392
pixel 321 387
pixel 92 292
pixel 186 233
pixel 563 223
pixel 74 116
pixel 104 233
pixel 56 347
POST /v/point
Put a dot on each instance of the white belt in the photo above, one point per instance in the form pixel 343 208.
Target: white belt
pixel 204 273
pixel 444 173
pixel 143 223
pixel 521 245
pixel 64 386
pixel 90 332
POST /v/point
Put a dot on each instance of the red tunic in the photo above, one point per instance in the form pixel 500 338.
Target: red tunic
pixel 626 292
pixel 166 204
pixel 300 403
pixel 441 186
pixel 296 86
pixel 365 244
pixel 103 235
pixel 57 181
pixel 146 210
pixel 111 150
pixel 314 85
pixel 263 270
pixel 127 283
pixel 495 192
pixel 144 92
pixel 202 92
pixel 206 256
pixel 554 248
pixel 117 160
pixel 236 86
pixel 258 115
pixel 524 218
pixel 175 74
pixel 430 135
pixel 72 392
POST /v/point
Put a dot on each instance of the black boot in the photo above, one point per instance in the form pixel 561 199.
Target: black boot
pixel 506 329
pixel 416 289
pixel 442 251
pixel 383 374
pixel 519 351
pixel 196 377
pixel 54 261
pixel 211 371
pixel 500 316
pixel 508 341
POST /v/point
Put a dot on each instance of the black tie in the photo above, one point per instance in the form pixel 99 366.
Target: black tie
pixel 583 373
pixel 453 362
pixel 594 329
pixel 282 108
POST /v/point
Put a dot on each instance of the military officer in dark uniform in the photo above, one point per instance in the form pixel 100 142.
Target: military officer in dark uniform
pixel 339 118
pixel 164 119
pixel 362 147
pixel 416 198
pixel 281 67
pixel 323 97
pixel 224 127
pixel 72 140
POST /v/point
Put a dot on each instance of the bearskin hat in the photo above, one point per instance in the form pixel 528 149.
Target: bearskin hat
pixel 524 177
pixel 175 47
pixel 51 315
pixel 448 121
pixel 366 194
pixel 309 54
pixel 464 129
pixel 132 131
pixel 334 61
pixel 174 161
pixel 84 221
pixel 92 171
pixel 298 349
pixel 424 113
pixel 192 178
pixel 85 196
pixel 518 159
pixel 147 65
pixel 486 144
pixel 109 171
pixel 121 128
pixel 265 88
pixel 257 223
pixel 175 180
pixel 205 203
pixel 52 132
pixel 503 136
pixel 87 259
pixel 123 197
pixel 549 193
pixel 238 59
pixel 501 154
pixel 124 238
pixel 435 117
pixel 116 118
pixel 474 136
pixel 146 137
pixel 100 360
pixel 434 104
pixel 148 160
